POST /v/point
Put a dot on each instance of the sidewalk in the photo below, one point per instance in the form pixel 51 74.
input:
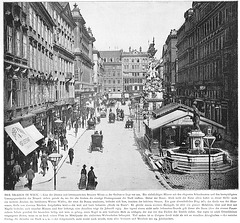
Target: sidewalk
pixel 39 178
pixel 146 154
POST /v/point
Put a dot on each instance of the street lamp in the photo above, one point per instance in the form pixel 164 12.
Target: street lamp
pixel 209 139
pixel 54 158
pixel 58 123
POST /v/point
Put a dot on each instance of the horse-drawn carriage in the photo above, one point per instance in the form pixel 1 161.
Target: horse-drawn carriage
pixel 111 117
pixel 120 115
pixel 96 143
pixel 129 123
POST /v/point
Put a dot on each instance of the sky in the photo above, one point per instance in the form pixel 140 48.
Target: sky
pixel 123 24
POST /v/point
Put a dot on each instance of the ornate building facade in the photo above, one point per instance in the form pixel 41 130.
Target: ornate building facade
pixel 38 71
pixel 98 72
pixel 134 68
pixel 207 62
pixel 112 80
pixel 83 51
pixel 169 56
pixel 63 69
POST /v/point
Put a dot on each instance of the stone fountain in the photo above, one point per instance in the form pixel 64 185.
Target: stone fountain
pixel 195 158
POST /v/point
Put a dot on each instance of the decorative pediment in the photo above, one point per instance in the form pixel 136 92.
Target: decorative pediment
pixel 67 12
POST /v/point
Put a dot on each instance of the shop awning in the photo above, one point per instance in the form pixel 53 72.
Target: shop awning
pixel 34 133
pixel 180 118
pixel 21 138
pixel 166 119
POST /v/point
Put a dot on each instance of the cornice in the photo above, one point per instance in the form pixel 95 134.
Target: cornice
pixel 84 57
pixel 41 10
pixel 63 51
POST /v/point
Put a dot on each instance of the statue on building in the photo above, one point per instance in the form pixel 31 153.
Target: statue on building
pixel 151 50
pixel 196 117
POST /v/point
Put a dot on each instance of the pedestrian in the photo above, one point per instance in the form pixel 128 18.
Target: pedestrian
pixel 76 128
pixel 30 176
pixel 83 121
pixel 35 162
pixel 91 183
pixel 54 146
pixel 17 170
pixel 61 139
pixel 71 155
pixel 83 179
pixel 44 165
pixel 10 181
pixel 65 143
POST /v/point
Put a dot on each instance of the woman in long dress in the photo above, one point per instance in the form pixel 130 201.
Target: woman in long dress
pixel 83 179
pixel 92 183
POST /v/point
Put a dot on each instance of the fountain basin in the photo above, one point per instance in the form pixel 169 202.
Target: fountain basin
pixel 199 163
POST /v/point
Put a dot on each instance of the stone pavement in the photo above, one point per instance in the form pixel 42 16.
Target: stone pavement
pixel 175 180
pixel 39 178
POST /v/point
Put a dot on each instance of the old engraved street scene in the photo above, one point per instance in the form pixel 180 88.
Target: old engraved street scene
pixel 120 96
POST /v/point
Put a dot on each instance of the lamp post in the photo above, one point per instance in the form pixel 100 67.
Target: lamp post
pixel 58 123
pixel 54 158
pixel 209 139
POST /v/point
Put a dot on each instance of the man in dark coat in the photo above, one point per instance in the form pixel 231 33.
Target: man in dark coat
pixel 30 175
pixel 91 184
pixel 71 155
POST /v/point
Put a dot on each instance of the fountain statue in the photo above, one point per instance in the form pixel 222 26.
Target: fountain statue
pixel 196 117
pixel 196 135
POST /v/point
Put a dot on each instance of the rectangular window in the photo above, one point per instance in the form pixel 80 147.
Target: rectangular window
pixel 30 55
pixel 24 46
pixel 18 43
pixel 39 25
pixel 25 95
pixel 30 16
pixel 18 95
pixel 9 39
pixel 35 58
pixel 42 27
pixel 34 21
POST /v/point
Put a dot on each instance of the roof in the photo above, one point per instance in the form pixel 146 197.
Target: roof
pixel 63 4
pixel 178 117
pixel 115 53
pixel 169 108
pixel 166 119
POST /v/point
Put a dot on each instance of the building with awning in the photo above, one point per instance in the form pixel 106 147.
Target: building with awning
pixel 173 123
pixel 34 133
pixel 21 138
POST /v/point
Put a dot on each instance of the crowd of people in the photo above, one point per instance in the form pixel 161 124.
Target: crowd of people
pixel 37 162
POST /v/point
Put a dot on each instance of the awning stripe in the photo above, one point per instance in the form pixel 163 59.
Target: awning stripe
pixel 21 138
